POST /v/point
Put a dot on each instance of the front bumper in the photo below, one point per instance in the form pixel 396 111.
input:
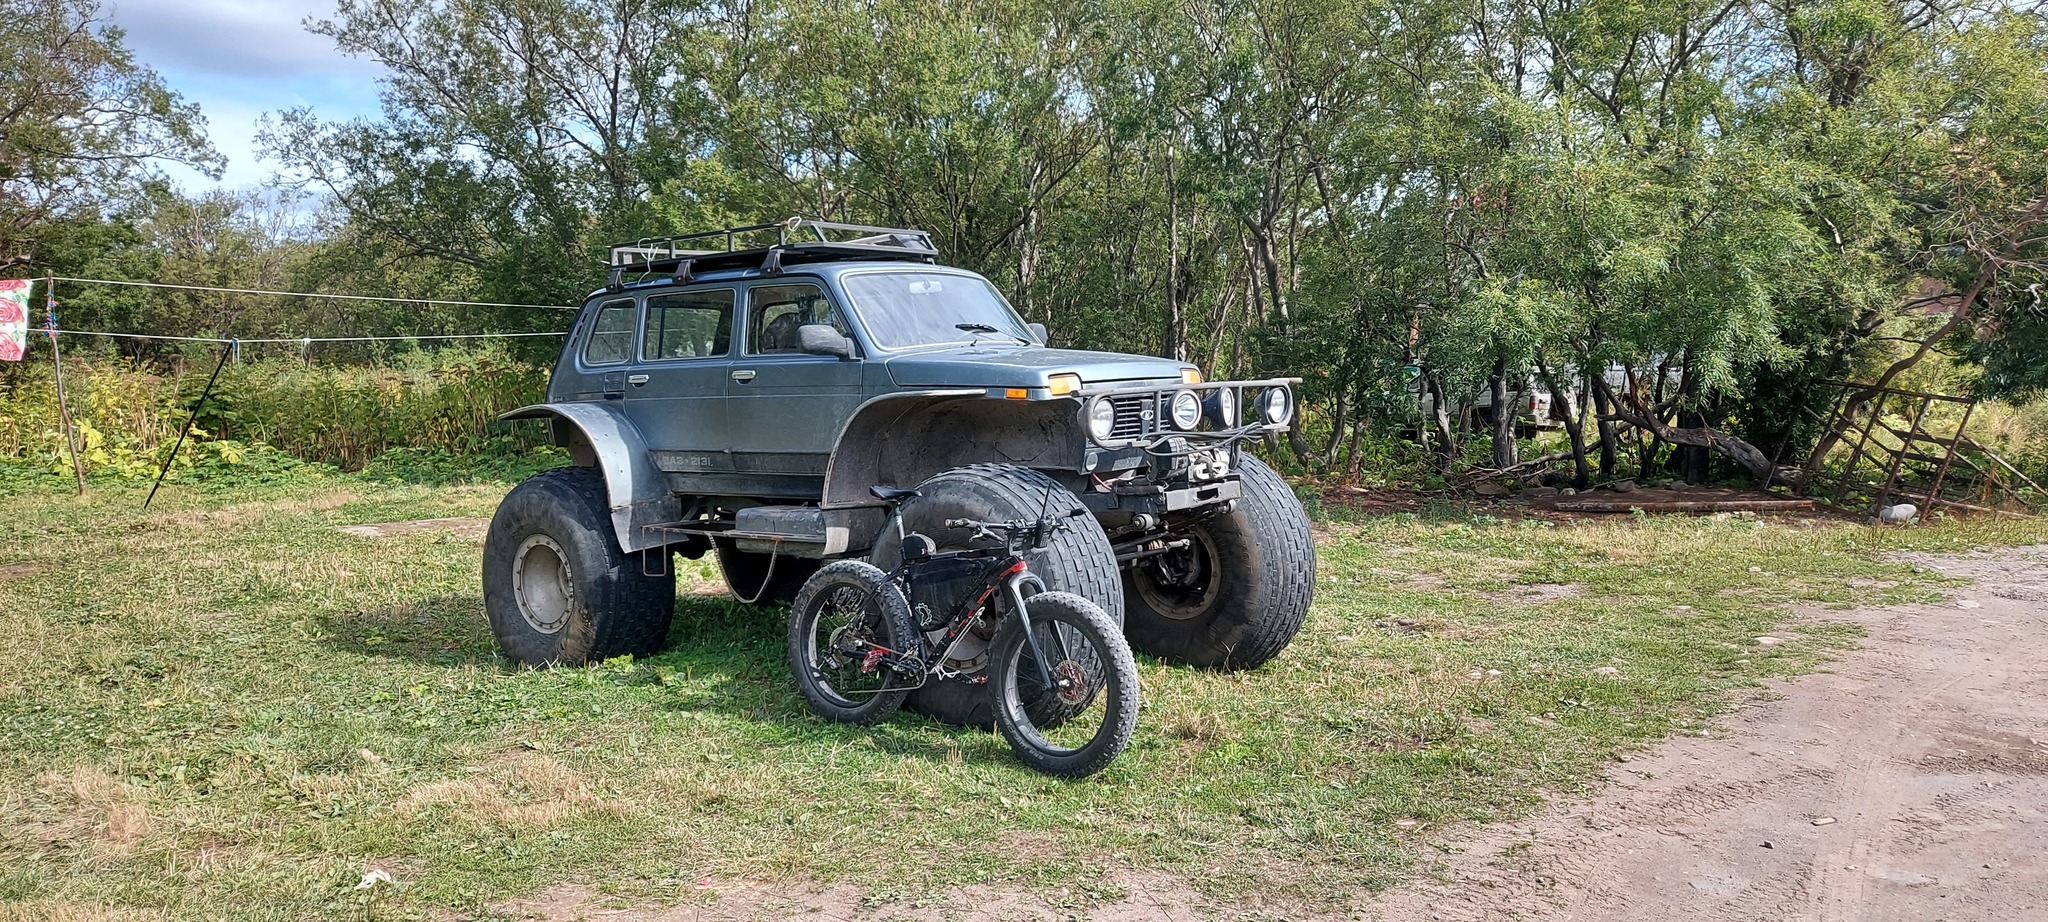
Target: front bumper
pixel 1143 415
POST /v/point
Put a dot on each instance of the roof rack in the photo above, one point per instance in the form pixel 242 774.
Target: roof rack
pixel 795 240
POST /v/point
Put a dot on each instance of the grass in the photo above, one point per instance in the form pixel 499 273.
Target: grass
pixel 228 709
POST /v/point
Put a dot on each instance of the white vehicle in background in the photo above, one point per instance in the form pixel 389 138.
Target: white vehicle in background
pixel 1532 403
pixel 1536 408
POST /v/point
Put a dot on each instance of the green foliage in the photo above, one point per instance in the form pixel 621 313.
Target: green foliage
pixel 442 404
pixel 1331 190
pixel 85 127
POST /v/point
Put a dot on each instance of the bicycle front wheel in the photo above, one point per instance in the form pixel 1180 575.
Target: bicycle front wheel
pixel 1079 722
pixel 846 618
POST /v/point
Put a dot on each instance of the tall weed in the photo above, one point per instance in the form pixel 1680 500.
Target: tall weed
pixel 128 414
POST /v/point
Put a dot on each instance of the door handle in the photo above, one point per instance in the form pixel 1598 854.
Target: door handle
pixel 743 376
pixel 636 380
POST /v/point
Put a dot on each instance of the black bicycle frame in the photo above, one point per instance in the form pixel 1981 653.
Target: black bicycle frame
pixel 1011 574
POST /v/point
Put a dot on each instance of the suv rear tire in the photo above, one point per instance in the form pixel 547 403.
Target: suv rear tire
pixel 1079 561
pixel 1237 596
pixel 557 587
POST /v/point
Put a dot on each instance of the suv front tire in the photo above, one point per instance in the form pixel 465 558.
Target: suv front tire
pixel 1239 592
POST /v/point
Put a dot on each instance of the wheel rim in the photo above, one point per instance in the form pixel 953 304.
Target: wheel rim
pixel 1071 715
pixel 543 584
pixel 1182 584
pixel 844 627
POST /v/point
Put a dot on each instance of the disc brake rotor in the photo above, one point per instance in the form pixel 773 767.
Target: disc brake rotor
pixel 1071 684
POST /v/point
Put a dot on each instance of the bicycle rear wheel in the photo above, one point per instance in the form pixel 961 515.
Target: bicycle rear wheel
pixel 844 618
pixel 1081 722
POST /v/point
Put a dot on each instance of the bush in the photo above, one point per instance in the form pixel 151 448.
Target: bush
pixel 128 415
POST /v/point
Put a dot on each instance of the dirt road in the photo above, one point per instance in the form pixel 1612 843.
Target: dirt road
pixel 1910 781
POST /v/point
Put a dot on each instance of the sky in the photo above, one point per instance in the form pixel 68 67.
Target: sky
pixel 241 59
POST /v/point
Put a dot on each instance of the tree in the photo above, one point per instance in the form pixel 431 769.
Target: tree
pixel 83 127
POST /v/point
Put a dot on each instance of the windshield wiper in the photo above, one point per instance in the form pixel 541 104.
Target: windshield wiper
pixel 985 328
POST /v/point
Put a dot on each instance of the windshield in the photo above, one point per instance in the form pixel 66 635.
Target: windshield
pixel 904 309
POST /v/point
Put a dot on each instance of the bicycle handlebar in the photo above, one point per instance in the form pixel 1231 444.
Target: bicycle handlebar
pixel 1016 525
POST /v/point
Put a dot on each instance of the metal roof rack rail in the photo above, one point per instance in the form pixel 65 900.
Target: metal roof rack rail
pixel 795 240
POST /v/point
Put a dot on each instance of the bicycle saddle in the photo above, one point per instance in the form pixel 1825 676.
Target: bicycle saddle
pixel 892 494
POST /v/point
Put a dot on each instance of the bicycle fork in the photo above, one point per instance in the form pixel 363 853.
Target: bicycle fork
pixel 1013 586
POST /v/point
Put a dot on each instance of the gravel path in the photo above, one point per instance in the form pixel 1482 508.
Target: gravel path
pixel 1910 781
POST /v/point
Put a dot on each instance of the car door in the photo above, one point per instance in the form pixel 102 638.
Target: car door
pixel 788 405
pixel 675 389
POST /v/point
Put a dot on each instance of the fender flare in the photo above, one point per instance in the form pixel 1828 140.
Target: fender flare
pixel 599 436
pixel 903 438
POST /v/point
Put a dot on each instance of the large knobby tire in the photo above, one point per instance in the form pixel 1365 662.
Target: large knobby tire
pixel 762 579
pixel 1093 700
pixel 1236 596
pixel 843 613
pixel 1079 560
pixel 557 587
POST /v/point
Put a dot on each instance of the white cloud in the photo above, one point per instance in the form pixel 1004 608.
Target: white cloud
pixel 249 38
pixel 240 60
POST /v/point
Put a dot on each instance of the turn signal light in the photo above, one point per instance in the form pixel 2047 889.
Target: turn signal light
pixel 1062 385
pixel 1190 376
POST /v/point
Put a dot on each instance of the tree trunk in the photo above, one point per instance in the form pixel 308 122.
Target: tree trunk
pixel 1174 348
pixel 1448 443
pixel 1692 460
pixel 1355 454
pixel 1505 452
pixel 1602 408
pixel 1298 440
pixel 1337 426
pixel 1574 425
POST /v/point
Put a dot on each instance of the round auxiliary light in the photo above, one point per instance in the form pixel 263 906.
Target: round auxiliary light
pixel 1187 410
pixel 1101 418
pixel 1276 405
pixel 1222 406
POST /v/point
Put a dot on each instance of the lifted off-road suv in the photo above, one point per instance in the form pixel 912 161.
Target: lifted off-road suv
pixel 739 392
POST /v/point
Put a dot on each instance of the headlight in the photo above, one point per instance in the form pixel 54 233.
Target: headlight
pixel 1276 405
pixel 1101 418
pixel 1222 407
pixel 1187 410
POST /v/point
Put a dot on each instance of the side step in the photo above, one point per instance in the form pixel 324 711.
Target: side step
pixel 795 531
pixel 761 528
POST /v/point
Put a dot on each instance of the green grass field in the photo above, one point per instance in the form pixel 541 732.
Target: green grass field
pixel 226 708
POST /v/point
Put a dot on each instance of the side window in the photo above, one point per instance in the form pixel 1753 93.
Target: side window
pixel 611 335
pixel 775 311
pixel 688 325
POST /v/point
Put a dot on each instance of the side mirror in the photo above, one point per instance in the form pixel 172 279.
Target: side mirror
pixel 1038 330
pixel 821 339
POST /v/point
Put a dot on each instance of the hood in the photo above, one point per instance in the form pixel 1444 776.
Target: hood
pixel 993 365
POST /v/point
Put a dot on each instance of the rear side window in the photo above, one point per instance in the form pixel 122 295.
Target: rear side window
pixel 611 335
pixel 688 325
pixel 774 312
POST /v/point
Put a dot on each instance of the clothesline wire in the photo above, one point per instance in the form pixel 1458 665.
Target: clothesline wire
pixel 302 340
pixel 308 294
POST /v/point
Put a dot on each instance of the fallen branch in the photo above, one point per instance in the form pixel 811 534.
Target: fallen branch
pixel 1629 408
pixel 1479 475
